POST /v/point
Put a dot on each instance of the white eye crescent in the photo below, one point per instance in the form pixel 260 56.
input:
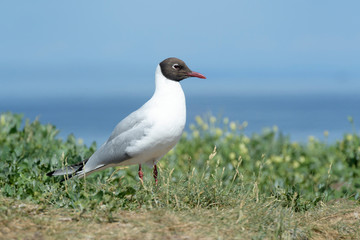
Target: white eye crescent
pixel 176 66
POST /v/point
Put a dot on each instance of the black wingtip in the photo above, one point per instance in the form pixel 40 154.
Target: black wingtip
pixel 65 178
pixel 80 166
pixel 50 174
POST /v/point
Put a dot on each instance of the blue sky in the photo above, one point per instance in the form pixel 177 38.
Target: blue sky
pixel 104 48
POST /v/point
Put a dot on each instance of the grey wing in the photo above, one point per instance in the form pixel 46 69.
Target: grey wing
pixel 131 121
pixel 113 152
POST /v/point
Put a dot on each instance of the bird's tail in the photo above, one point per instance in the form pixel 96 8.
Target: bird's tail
pixel 69 171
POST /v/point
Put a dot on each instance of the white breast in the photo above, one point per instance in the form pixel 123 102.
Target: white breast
pixel 166 111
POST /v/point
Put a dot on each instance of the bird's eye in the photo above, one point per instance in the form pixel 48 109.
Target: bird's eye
pixel 176 66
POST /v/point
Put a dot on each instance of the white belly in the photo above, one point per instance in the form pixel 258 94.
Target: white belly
pixel 160 138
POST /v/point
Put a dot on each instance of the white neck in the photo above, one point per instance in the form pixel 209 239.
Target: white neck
pixel 164 86
pixel 168 98
pixel 167 104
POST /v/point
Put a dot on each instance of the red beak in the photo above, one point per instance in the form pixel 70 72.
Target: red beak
pixel 196 74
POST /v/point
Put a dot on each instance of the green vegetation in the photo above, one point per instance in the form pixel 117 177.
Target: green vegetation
pixel 263 186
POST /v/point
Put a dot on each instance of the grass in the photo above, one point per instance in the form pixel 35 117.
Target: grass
pixel 247 187
pixel 250 220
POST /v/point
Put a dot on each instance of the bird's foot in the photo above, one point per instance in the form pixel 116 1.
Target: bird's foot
pixel 141 175
pixel 155 174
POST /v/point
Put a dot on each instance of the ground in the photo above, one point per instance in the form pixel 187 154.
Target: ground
pixel 19 220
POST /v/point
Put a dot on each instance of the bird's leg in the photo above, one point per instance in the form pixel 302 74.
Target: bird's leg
pixel 155 174
pixel 140 173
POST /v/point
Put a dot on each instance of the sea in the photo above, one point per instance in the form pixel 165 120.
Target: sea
pixel 299 116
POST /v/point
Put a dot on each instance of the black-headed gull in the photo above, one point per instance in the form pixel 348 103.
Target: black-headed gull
pixel 148 133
